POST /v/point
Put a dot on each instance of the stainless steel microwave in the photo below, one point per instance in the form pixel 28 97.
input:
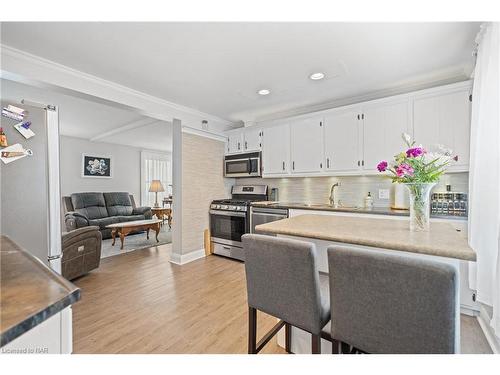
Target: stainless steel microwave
pixel 243 165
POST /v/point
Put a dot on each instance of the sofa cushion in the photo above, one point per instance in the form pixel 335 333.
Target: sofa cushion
pixel 122 219
pixel 101 223
pixel 118 203
pixel 91 205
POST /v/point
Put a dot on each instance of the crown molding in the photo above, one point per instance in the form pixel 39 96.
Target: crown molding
pixel 204 133
pixel 451 75
pixel 128 126
pixel 38 64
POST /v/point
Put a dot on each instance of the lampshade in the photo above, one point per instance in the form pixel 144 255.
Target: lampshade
pixel 156 186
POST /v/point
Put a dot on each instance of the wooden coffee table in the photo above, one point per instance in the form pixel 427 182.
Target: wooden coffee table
pixel 122 229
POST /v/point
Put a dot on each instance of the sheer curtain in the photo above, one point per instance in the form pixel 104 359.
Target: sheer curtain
pixel 484 176
pixel 155 166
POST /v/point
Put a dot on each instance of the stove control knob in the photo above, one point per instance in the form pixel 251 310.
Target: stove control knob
pixel 238 208
pixel 224 207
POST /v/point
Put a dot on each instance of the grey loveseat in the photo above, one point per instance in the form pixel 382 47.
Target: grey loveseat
pixel 102 209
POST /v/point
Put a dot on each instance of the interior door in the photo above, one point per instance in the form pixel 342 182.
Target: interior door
pixel 383 125
pixel 276 150
pixel 307 145
pixel 342 149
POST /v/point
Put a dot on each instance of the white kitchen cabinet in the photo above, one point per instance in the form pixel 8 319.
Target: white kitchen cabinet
pixel 234 142
pixel 383 125
pixel 276 150
pixel 444 118
pixel 244 140
pixel 252 139
pixel 342 143
pixel 306 140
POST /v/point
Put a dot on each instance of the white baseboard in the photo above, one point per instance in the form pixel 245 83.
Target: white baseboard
pixel 484 321
pixel 182 259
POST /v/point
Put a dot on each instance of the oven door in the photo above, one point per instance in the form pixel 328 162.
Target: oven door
pixel 227 227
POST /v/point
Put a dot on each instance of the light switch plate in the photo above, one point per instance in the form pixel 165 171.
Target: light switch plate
pixel 383 193
pixel 81 248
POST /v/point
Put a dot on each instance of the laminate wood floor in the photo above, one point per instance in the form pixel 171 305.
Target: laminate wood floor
pixel 139 302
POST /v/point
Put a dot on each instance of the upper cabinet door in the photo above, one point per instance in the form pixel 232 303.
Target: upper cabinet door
pixel 252 139
pixel 235 142
pixel 444 119
pixel 307 145
pixel 383 125
pixel 342 149
pixel 276 150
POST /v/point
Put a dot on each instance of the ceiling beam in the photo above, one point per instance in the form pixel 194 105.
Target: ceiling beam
pixel 129 126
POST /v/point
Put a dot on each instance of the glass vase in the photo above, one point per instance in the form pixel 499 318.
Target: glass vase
pixel 419 206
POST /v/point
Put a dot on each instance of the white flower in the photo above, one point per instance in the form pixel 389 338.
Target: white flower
pixel 407 138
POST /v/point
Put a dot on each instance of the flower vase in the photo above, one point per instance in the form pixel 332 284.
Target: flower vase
pixel 419 205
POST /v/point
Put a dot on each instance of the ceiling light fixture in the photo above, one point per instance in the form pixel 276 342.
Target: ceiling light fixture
pixel 264 92
pixel 317 76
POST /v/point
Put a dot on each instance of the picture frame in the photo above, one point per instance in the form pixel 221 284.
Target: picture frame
pixel 97 166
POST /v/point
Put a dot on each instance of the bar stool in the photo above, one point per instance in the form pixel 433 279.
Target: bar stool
pixel 393 303
pixel 283 281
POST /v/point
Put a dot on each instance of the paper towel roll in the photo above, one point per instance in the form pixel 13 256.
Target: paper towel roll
pixel 401 197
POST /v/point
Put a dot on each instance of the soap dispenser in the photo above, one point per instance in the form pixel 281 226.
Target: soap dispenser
pixel 369 201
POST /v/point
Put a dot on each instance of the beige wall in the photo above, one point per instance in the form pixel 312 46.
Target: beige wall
pixel 202 182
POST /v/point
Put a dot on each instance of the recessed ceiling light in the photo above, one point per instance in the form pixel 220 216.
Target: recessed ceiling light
pixel 317 76
pixel 264 92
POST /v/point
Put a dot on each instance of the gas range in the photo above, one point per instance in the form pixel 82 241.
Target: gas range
pixel 230 219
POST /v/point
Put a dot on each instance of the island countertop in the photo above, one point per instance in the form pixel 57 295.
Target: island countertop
pixel 442 240
pixel 30 292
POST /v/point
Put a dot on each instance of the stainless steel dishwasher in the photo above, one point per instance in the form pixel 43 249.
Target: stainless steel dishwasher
pixel 262 215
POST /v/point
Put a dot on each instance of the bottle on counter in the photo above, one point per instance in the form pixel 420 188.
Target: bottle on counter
pixel 369 201
pixel 3 139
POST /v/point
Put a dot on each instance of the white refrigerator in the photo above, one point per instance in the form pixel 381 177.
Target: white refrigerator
pixel 30 186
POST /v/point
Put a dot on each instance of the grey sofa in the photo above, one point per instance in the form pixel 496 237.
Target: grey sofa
pixel 81 251
pixel 102 209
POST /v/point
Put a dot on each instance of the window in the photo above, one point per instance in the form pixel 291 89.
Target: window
pixel 155 166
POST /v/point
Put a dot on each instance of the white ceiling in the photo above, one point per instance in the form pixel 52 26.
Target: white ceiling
pixel 87 119
pixel 218 67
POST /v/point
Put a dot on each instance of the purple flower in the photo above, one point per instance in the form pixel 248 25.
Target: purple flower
pixel 414 152
pixel 382 166
pixel 404 170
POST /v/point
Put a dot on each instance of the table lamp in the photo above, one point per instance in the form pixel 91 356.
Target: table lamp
pixel 156 187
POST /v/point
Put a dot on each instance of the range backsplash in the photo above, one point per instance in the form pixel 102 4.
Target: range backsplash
pixel 351 192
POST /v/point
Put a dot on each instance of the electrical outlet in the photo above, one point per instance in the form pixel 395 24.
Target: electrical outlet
pixel 383 193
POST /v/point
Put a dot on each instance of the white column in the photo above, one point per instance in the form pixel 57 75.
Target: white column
pixel 176 191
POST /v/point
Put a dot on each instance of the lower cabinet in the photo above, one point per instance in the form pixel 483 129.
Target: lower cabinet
pixel 53 336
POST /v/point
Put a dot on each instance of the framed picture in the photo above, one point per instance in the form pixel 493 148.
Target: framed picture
pixel 97 166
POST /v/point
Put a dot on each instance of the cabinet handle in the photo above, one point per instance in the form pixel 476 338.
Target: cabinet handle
pixel 362 116
pixel 358 117
pixel 293 165
pixel 238 145
pixel 321 165
pixel 283 165
pixel 321 123
pixel 358 163
pixel 246 145
pixel 362 163
pixel 328 162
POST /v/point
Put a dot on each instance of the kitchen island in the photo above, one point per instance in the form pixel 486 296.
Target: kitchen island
pixel 445 242
pixel 35 314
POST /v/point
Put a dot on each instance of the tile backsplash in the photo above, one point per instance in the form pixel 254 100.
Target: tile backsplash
pixel 352 189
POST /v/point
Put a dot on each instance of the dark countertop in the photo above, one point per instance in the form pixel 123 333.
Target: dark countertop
pixel 325 207
pixel 30 292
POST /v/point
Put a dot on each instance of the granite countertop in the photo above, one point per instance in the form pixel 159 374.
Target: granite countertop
pixel 443 239
pixel 30 292
pixel 358 210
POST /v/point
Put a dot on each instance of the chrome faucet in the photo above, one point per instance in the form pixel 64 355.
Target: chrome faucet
pixel 332 195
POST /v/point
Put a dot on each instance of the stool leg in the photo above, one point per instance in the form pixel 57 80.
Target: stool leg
pixel 252 330
pixel 344 348
pixel 288 338
pixel 335 347
pixel 316 344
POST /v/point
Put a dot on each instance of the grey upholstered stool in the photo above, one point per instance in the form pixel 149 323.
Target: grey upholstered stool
pixel 283 281
pixel 393 303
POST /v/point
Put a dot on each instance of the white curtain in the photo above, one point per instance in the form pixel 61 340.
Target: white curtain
pixel 484 176
pixel 155 166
